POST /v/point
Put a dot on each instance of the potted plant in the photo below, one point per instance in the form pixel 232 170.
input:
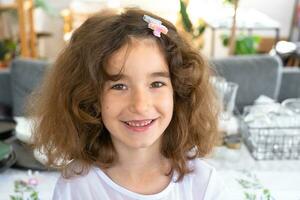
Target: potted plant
pixel 232 39
pixel 7 51
pixel 193 32
pixel 239 44
pixel 244 44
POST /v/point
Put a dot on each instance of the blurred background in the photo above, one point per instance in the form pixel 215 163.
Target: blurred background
pixel 253 49
pixel 49 22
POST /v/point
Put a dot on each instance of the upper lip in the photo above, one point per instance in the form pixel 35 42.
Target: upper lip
pixel 139 120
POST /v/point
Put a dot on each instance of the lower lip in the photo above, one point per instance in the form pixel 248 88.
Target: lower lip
pixel 140 128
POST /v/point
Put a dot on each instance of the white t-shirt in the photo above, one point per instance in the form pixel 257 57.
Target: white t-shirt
pixel 202 184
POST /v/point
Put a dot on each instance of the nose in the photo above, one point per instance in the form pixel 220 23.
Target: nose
pixel 140 101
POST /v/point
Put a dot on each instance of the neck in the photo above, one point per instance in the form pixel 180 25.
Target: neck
pixel 141 170
pixel 141 162
pixel 137 162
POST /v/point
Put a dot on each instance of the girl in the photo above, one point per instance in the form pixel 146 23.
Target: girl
pixel 127 112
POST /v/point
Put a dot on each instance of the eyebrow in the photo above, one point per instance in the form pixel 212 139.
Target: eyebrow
pixel 160 74
pixel 116 77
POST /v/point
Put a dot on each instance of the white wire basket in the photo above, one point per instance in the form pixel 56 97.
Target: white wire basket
pixel 272 143
pixel 271 131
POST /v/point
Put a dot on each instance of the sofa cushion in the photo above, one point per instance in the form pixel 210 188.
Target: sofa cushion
pixel 26 74
pixel 256 75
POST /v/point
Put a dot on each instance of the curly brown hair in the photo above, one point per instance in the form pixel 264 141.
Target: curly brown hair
pixel 67 104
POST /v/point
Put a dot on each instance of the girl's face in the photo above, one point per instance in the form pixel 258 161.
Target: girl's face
pixel 137 109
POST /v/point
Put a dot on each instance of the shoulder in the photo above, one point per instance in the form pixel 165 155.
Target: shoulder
pixel 201 168
pixel 205 180
pixel 76 186
pixel 202 172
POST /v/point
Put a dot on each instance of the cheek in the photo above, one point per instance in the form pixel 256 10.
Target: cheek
pixel 166 103
pixel 106 108
pixel 104 105
pixel 111 106
pixel 108 114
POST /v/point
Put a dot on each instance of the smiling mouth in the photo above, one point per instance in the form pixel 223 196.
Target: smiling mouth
pixel 139 123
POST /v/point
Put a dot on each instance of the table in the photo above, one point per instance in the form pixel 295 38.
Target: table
pixel 282 178
pixel 45 187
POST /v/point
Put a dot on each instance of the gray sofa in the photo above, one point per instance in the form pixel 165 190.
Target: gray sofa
pixel 17 82
pixel 259 75
pixel 255 75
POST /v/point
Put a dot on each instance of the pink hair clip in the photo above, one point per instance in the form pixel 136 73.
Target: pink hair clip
pixel 155 25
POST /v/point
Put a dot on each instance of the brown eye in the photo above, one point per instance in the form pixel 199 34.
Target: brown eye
pixel 157 84
pixel 119 87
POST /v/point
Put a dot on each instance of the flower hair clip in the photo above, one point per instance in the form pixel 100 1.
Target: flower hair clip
pixel 155 25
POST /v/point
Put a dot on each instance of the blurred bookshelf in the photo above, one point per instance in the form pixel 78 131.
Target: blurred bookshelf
pixel 27 35
pixel 8 6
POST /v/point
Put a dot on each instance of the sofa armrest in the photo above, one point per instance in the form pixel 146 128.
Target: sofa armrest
pixel 5 88
pixel 290 83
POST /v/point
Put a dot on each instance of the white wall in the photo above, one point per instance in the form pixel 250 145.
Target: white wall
pixel 279 10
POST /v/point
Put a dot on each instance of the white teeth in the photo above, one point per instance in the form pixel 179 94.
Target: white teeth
pixel 139 124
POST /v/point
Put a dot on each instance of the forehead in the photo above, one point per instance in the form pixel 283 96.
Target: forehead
pixel 138 55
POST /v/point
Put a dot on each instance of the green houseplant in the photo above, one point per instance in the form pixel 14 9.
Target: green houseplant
pixel 239 44
pixel 232 42
pixel 194 32
pixel 8 49
pixel 244 44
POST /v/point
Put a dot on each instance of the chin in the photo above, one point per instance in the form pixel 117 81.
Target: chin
pixel 143 144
